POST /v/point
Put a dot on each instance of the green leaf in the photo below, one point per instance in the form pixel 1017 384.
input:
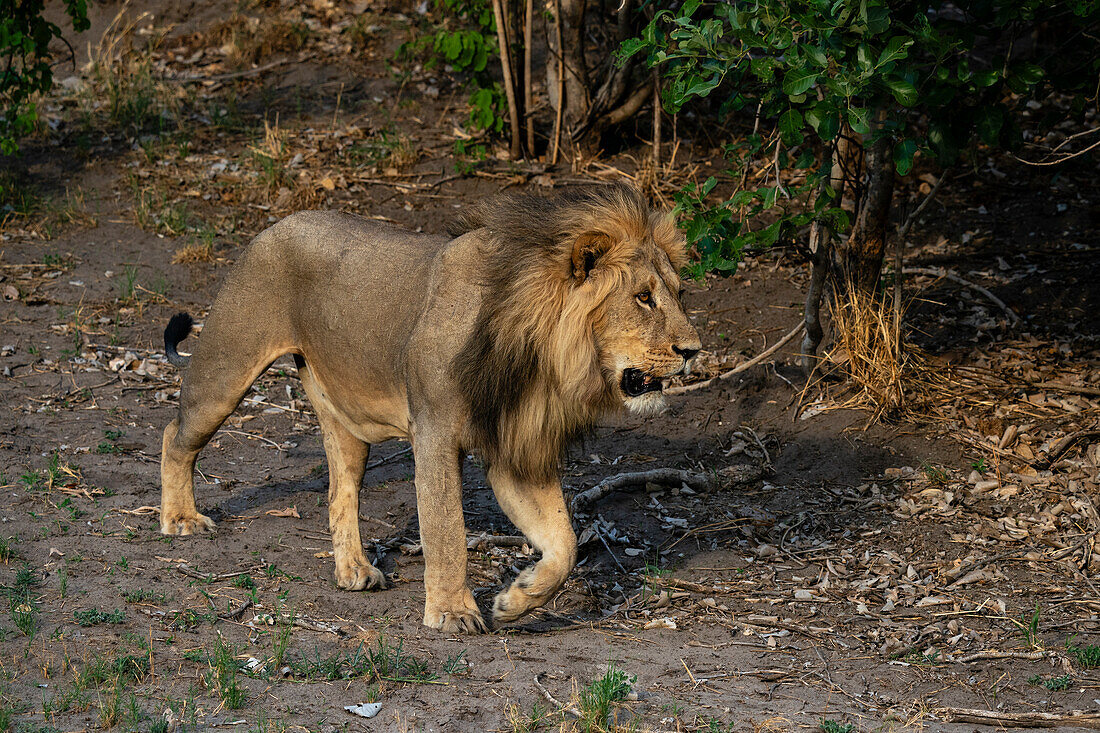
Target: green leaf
pixel 790 127
pixel 816 55
pixel 798 81
pixel 1029 73
pixel 859 119
pixel 987 78
pixel 896 48
pixel 989 123
pixel 903 156
pixel 903 91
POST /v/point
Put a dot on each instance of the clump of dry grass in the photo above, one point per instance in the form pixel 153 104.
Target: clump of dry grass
pixel 885 374
pixel 120 83
pixel 270 156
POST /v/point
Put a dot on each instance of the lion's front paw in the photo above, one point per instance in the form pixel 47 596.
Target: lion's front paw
pixel 183 524
pixel 458 622
pixel 460 617
pixel 358 575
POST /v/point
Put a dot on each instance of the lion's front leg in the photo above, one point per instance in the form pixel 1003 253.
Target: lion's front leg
pixel 448 605
pixel 538 510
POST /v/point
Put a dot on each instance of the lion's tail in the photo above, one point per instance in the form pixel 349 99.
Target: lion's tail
pixel 177 330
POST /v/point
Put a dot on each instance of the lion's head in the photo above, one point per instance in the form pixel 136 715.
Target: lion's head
pixel 581 315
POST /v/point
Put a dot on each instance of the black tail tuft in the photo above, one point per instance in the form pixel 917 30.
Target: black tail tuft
pixel 177 330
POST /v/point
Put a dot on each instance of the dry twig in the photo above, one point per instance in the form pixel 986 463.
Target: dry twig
pixel 1074 718
pixel 764 355
pixel 550 698
pixel 946 274
pixel 622 481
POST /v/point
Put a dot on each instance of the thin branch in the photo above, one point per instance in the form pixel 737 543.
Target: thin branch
pixel 561 83
pixel 622 481
pixel 912 218
pixel 528 93
pixel 953 277
pixel 509 82
pixel 550 698
pixel 740 367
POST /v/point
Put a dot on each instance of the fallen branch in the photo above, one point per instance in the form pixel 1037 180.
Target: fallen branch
pixel 998 654
pixel 485 541
pixel 621 481
pixel 740 367
pixel 550 698
pixel 1078 718
pixel 387 459
pixel 946 274
pixel 1065 443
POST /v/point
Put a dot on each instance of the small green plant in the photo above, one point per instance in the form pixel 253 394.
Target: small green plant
pixel 280 639
pixel 979 465
pixel 7 548
pixel 24 614
pixel 223 676
pixel 244 582
pixel 456 664
pixel 1029 627
pixel 831 726
pixel 467 155
pixel 110 705
pixel 529 722
pixel 596 699
pixel 100 670
pixel 143 595
pixel 1088 657
pixel 94 617
pixel 935 475
pixel 109 446
pixel 1054 684
pixel 127 283
pixel 390 662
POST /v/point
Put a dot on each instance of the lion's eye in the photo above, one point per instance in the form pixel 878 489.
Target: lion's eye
pixel 644 298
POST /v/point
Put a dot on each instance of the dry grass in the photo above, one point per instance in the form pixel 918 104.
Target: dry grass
pixel 120 83
pixel 884 374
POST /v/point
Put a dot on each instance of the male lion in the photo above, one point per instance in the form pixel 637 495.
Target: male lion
pixel 510 340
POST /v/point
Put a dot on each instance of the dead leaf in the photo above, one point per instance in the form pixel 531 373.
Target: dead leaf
pixel 290 512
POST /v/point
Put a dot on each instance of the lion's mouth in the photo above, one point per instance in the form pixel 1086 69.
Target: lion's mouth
pixel 636 383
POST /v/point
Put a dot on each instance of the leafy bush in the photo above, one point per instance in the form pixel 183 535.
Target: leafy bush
pixel 25 38
pixel 829 80
pixel 468 49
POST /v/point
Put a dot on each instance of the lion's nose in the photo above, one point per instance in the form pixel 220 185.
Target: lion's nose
pixel 686 353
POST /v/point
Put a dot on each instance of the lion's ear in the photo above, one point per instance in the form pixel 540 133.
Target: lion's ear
pixel 587 251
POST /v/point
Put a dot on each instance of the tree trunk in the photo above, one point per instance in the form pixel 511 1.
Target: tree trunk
pixel 576 72
pixel 860 258
pixel 820 257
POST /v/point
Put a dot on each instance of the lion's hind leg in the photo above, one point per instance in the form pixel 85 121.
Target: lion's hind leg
pixel 538 510
pixel 178 513
pixel 226 362
pixel 347 460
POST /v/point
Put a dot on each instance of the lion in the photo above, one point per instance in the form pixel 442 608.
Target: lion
pixel 509 340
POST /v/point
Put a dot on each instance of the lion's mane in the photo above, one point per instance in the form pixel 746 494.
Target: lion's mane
pixel 530 371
